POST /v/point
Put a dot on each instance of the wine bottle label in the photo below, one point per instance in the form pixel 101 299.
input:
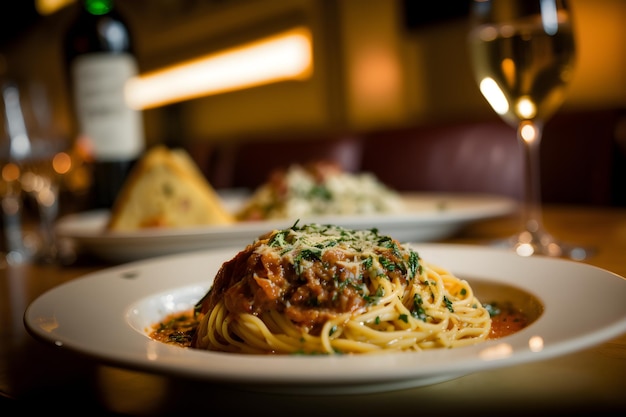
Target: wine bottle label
pixel 113 130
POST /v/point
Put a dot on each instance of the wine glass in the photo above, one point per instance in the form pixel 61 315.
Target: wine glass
pixel 523 55
pixel 32 164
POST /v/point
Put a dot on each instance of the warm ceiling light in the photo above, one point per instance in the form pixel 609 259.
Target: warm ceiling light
pixel 47 7
pixel 285 56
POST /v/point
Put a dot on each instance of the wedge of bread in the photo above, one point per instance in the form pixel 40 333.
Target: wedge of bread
pixel 166 189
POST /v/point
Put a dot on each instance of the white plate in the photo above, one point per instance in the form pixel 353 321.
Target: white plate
pixel 105 314
pixel 428 217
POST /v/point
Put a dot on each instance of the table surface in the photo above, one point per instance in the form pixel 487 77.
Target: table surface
pixel 35 375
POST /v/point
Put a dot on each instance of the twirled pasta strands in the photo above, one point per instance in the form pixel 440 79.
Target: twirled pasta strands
pixel 454 317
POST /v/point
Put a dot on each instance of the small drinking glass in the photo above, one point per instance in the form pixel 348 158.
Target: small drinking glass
pixel 32 161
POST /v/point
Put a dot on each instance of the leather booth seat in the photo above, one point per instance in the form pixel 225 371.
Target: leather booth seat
pixel 583 158
pixel 479 157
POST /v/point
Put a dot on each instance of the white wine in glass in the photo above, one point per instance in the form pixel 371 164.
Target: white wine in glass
pixel 523 54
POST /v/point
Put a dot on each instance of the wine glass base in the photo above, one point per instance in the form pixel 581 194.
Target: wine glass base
pixel 528 243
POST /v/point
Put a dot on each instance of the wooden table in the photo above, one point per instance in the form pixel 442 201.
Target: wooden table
pixel 593 381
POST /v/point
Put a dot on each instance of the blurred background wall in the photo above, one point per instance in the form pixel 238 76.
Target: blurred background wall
pixel 377 63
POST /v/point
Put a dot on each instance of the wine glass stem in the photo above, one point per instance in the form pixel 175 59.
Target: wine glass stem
pixel 529 135
pixel 48 211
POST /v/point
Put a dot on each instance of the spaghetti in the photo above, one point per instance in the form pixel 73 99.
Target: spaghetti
pixel 323 289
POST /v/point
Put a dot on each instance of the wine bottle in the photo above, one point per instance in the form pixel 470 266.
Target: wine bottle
pixel 100 59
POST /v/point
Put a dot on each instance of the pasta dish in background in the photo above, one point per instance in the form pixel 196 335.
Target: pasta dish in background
pixel 319 188
pixel 323 289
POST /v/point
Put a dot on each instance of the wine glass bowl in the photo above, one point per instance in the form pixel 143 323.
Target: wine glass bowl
pixel 523 55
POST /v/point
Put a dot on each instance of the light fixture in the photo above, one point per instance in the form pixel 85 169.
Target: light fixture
pixel 48 7
pixel 284 56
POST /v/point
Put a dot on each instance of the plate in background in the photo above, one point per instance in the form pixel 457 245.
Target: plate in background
pixel 429 217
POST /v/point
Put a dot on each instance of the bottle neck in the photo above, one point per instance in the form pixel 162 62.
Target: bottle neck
pixel 98 7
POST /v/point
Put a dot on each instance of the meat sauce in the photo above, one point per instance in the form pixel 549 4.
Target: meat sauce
pixel 179 328
pixel 310 275
pixel 313 273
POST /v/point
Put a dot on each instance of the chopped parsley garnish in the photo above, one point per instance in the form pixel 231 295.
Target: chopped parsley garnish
pixel 418 311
